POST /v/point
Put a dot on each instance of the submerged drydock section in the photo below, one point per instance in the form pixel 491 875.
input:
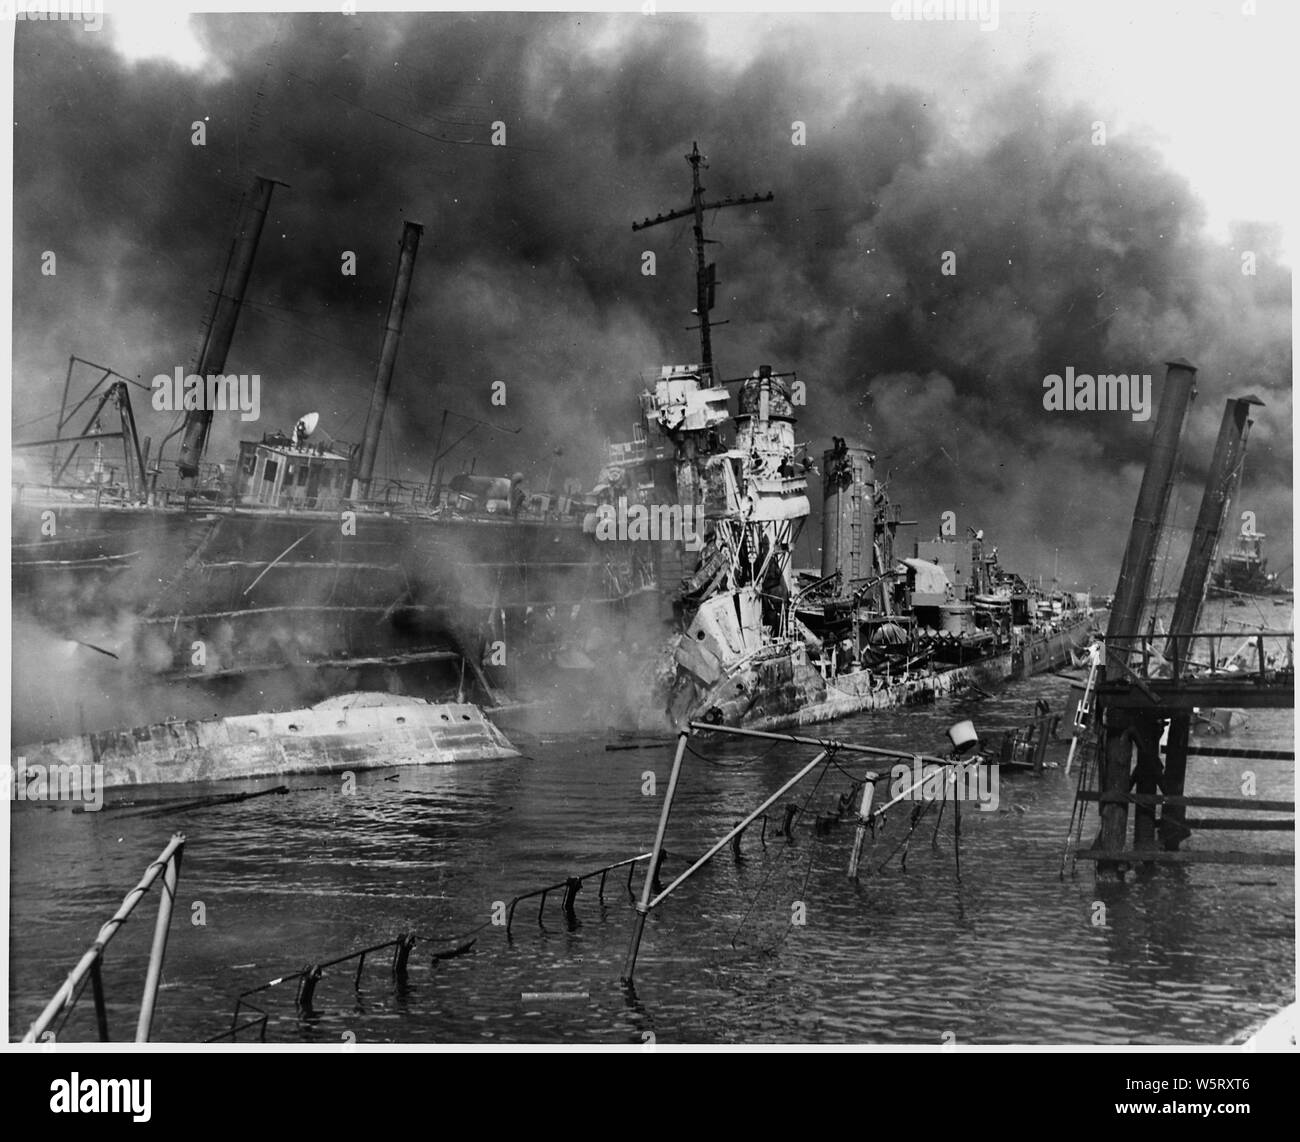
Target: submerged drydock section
pixel 350 732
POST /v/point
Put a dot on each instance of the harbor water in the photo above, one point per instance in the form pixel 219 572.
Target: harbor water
pixel 1012 954
pixel 780 947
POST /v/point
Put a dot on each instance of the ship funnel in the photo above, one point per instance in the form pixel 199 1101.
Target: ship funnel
pixel 848 512
pixel 224 317
pixel 411 232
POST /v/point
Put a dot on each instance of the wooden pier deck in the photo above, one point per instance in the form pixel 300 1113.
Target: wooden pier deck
pixel 1136 769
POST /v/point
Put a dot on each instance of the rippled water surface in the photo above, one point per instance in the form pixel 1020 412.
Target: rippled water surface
pixel 1010 954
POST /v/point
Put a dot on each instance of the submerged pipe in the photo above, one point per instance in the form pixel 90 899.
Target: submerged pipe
pixel 411 232
pixel 162 925
pixel 68 990
pixel 1149 515
pixel 225 315
pixel 656 855
pixel 1229 451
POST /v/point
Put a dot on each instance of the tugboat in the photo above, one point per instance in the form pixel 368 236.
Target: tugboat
pixel 1244 571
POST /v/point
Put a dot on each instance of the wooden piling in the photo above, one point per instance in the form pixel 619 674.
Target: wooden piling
pixel 1146 776
pixel 1116 755
pixel 1173 817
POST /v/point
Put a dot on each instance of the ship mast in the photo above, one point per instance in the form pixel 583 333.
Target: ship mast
pixel 705 279
pixel 225 315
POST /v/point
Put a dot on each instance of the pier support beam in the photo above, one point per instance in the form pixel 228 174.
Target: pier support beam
pixel 1229 451
pixel 1121 729
pixel 1113 778
pixel 1147 777
pixel 1173 818
pixel 1149 514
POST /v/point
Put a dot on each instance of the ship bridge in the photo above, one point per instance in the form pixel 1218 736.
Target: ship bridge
pixel 276 472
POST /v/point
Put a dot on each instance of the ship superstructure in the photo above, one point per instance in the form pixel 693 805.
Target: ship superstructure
pixel 754 643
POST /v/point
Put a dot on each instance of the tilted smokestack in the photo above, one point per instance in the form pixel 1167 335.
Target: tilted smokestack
pixel 411 232
pixel 225 314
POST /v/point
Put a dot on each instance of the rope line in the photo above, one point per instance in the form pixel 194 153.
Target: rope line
pixel 773 866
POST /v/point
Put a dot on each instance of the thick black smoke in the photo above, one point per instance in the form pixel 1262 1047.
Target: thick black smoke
pixel 1066 254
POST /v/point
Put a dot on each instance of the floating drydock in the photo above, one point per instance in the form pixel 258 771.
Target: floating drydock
pixel 349 732
pixel 293 554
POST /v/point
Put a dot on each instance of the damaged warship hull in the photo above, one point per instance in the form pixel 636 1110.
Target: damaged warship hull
pixel 760 644
pixel 786 691
pixel 347 733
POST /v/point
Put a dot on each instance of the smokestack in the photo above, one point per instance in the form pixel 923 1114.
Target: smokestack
pixel 848 513
pixel 1149 515
pixel 1229 451
pixel 411 232
pixel 225 314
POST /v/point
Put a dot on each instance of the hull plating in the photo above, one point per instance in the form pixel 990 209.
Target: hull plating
pixel 785 691
pixel 358 731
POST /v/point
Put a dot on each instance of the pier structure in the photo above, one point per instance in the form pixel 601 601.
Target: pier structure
pixel 1149 688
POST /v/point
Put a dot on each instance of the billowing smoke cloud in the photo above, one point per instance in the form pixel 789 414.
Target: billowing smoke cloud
pixel 1067 254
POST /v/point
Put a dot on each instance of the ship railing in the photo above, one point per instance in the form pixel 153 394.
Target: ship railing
pixel 84 484
pixel 101 482
pixel 401 496
pixel 571 886
pixel 110 493
pixel 166 476
pixel 309 977
pixel 248 1016
pixel 1200 653
pixel 89 968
